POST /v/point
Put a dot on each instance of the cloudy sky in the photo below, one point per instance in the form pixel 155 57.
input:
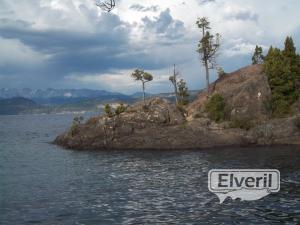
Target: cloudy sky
pixel 73 44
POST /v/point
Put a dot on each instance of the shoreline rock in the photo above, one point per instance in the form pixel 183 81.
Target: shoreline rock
pixel 162 125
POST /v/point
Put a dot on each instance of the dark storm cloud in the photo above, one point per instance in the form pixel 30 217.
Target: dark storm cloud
pixel 107 48
pixel 54 40
pixel 164 25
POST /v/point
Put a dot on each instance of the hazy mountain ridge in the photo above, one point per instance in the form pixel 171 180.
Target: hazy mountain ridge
pixel 55 93
pixel 62 100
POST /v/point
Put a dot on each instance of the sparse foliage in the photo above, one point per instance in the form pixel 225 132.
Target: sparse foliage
pixel 216 108
pixel 78 120
pixel 173 80
pixel 144 77
pixel 120 109
pixel 208 47
pixel 183 93
pixel 220 72
pixel 258 57
pixel 108 110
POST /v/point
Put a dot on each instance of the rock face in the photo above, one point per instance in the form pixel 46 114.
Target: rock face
pixel 245 91
pixel 163 126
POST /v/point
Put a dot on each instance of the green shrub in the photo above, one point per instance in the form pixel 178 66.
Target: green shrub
pixel 280 107
pixel 75 126
pixel 78 120
pixel 120 109
pixel 220 72
pixel 108 110
pixel 216 108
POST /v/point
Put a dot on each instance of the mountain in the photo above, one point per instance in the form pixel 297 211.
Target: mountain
pixel 52 96
pixel 17 105
pixel 61 100
pixel 54 93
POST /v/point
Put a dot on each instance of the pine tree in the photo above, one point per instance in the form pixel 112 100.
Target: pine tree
pixel 258 57
pixel 289 48
pixel 183 93
pixel 283 69
pixel 208 47
pixel 144 77
pixel 108 110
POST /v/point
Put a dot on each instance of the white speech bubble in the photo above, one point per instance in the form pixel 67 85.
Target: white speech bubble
pixel 245 184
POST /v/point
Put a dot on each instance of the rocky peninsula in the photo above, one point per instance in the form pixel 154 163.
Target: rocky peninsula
pixel 162 125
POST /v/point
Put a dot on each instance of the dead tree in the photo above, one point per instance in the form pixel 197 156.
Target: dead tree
pixel 106 5
pixel 173 80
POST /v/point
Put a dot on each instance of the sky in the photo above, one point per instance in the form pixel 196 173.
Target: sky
pixel 73 44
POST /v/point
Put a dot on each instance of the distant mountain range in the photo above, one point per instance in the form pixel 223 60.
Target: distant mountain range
pixel 19 101
pixel 60 96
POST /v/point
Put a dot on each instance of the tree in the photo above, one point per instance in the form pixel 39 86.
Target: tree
pixel 258 57
pixel 289 48
pixel 173 80
pixel 144 77
pixel 220 72
pixel 183 92
pixel 78 120
pixel 208 47
pixel 282 69
pixel 108 110
pixel 120 109
pixel 106 5
pixel 215 108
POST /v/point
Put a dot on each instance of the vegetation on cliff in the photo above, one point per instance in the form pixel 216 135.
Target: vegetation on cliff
pixel 282 68
pixel 216 108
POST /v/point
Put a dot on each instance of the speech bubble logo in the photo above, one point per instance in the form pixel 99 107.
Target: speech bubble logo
pixel 244 184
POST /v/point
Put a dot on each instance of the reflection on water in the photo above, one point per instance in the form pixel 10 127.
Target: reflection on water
pixel 44 184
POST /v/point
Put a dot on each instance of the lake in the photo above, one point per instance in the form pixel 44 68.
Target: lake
pixel 41 183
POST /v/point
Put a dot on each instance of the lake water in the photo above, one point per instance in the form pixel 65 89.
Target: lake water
pixel 44 184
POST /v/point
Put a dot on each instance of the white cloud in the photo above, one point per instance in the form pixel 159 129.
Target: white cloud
pixel 143 36
pixel 14 52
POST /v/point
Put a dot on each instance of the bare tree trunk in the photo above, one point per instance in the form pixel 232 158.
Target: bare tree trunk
pixel 206 66
pixel 144 95
pixel 207 77
pixel 175 85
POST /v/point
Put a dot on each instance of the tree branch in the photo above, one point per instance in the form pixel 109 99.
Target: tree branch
pixel 106 5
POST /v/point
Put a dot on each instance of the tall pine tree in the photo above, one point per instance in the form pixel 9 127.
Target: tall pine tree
pixel 283 69
pixel 258 57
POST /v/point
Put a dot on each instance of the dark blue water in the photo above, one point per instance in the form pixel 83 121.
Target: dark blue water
pixel 43 184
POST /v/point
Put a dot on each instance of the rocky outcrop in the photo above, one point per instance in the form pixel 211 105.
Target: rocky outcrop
pixel 245 91
pixel 161 125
